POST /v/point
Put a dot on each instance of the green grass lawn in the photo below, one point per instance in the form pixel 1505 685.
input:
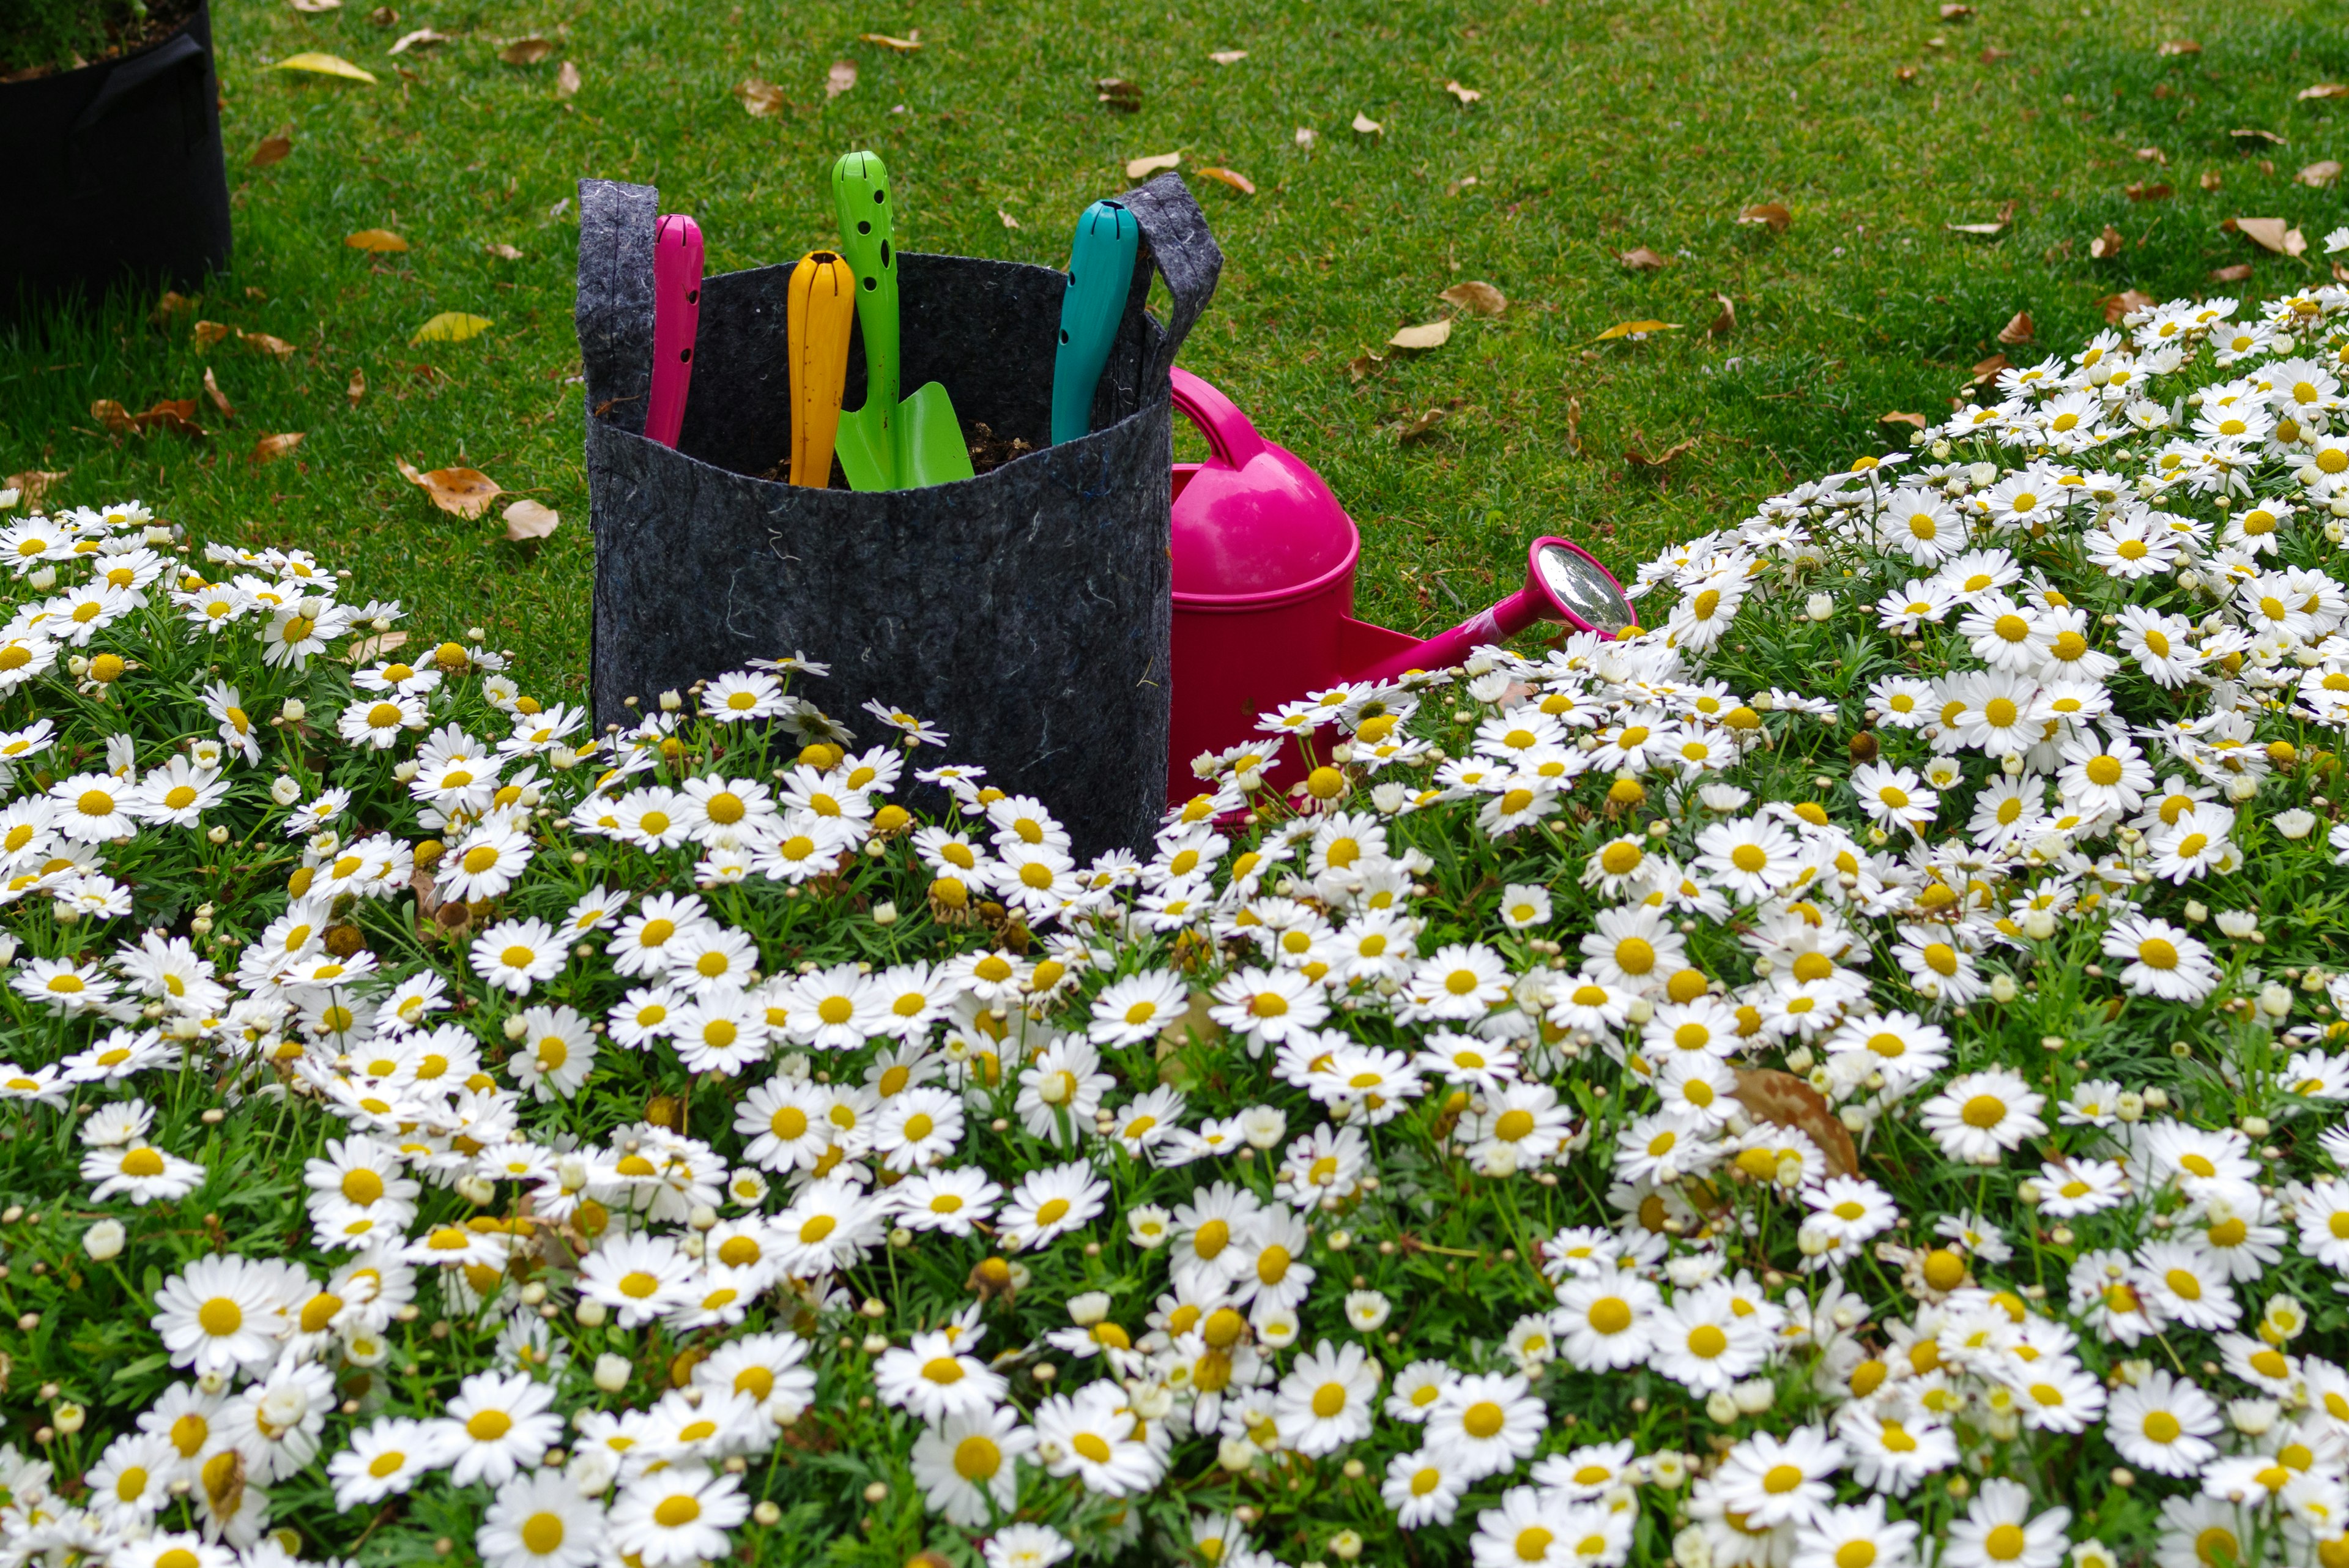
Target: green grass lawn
pixel 1600 129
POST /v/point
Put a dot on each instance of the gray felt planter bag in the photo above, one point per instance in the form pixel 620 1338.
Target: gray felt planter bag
pixel 1027 612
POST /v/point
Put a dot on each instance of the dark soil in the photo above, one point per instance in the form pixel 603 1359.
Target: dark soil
pixel 41 38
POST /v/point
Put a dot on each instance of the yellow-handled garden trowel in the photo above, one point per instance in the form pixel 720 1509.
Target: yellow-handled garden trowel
pixel 886 444
pixel 821 311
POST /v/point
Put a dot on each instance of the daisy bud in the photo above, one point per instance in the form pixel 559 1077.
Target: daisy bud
pixel 1346 1545
pixel 516 1027
pixel 2039 925
pixel 45 579
pixel 2275 1001
pixel 67 1418
pixel 2253 1418
pixel 767 1514
pixel 103 1240
pixel 1719 1407
pixel 885 913
pixel 1819 606
pixel 295 709
pixel 2003 988
pixel 612 1373
pixel 1754 1395
pixel 591 1314
pixel 670 701
pixel 1691 1549
pixel 1236 1454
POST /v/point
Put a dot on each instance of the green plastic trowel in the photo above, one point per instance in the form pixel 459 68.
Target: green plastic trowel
pixel 886 444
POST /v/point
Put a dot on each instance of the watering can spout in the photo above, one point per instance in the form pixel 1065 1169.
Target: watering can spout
pixel 1564 583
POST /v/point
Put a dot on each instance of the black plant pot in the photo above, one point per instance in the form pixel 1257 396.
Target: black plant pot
pixel 113 174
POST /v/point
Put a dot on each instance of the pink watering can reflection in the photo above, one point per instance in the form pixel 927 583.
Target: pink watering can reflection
pixel 1264 591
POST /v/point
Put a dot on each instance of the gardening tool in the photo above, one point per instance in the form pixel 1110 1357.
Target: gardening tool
pixel 1264 591
pixel 886 444
pixel 1101 275
pixel 677 318
pixel 821 309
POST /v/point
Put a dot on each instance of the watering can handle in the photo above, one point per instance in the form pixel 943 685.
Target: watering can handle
pixel 1229 435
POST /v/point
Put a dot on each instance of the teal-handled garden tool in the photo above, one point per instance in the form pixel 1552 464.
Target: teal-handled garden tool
pixel 1101 275
pixel 887 444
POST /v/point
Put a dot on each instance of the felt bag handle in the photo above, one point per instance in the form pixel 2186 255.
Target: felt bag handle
pixel 1176 240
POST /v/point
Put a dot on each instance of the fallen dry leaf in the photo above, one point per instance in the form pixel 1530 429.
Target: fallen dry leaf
pixel 1464 94
pixel 1639 459
pixel 760 98
pixel 2272 233
pixel 2107 246
pixel 1784 1100
pixel 526 51
pixel 2324 89
pixel 2126 303
pixel 358 389
pixel 905 46
pixel 2210 179
pixel 1991 56
pixel 1227 56
pixel 2157 192
pixel 1904 76
pixel 1770 214
pixel 1725 323
pixel 1305 137
pixel 1954 12
pixel 2153 155
pixel 567 79
pixel 383 16
pixel 218 397
pixel 1144 168
pixel 176 415
pixel 2253 133
pixel 2239 273
pixel 1420 426
pixel 1365 126
pixel 1639 259
pixel 2319 174
pixel 272 149
pixel 1232 177
pixel 1975 228
pixel 320 65
pixel 2018 329
pixel 1897 418
pixel 1121 95
pixel 422 39
pixel 173 302
pixel 381 241
pixel 529 520
pixel 2179 47
pixel 839 78
pixel 1361 365
pixel 367 649
pixel 270 448
pixel 34 484
pixel 502 251
pixel 1987 370
pixel 1427 335
pixel 1476 298
pixel 451 327
pixel 464 492
pixel 262 342
pixel 1008 220
pixel 1636 329
pixel 313 7
pixel 207 333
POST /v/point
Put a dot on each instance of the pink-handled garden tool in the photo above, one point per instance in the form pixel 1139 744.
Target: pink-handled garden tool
pixel 677 320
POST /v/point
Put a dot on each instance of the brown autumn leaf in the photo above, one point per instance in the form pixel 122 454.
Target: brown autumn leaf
pixel 502 251
pixel 1725 323
pixel 1120 94
pixel 1992 55
pixel 1365 126
pixel 207 333
pixel 1633 455
pixel 1144 167
pixel 2126 303
pixel 464 492
pixel 905 46
pixel 1008 220
pixel 1477 299
pixel 1769 214
pixel 2019 329
pixel 839 78
pixel 2253 133
pixel 1986 370
pixel 760 98
pixel 2210 179
pixel 2241 271
pixel 383 16
pixel 1227 56
pixel 1639 259
pixel 382 242
pixel 1464 94
pixel 177 415
pixel 173 302
pixel 1897 418
pixel 422 39
pixel 272 149
pixel 367 649
pixel 1985 230
pixel 1427 335
pixel 1361 365
pixel 358 389
pixel 2107 246
pixel 2177 46
pixel 567 79
pixel 262 342
pixel 1784 1100
pixel 112 415
pixel 1904 76
pixel 1231 176
pixel 2271 233
pixel 2319 174
pixel 526 51
pixel 218 397
pixel 528 520
pixel 32 484
pixel 313 7
pixel 1954 12
pixel 2159 191
pixel 270 448
pixel 1421 426
pixel 2324 89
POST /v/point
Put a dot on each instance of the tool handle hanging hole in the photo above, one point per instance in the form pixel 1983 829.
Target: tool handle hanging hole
pixel 872 283
pixel 685 356
pixel 865 225
pixel 879 196
pixel 884 256
pixel 1064 335
pixel 693 296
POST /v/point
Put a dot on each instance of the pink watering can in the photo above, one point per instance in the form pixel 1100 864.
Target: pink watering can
pixel 1264 591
